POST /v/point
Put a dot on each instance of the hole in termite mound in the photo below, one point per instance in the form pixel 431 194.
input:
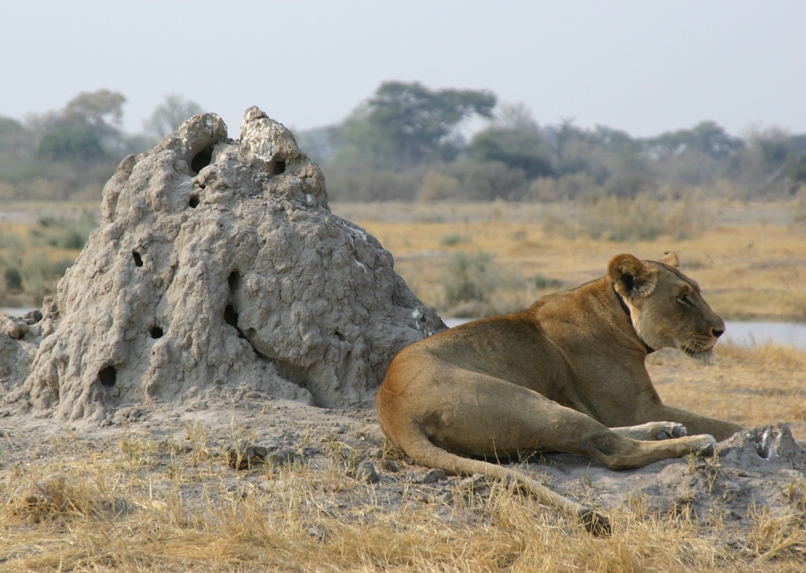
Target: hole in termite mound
pixel 138 259
pixel 230 316
pixel 108 376
pixel 155 332
pixel 202 159
pixel 234 281
pixel 193 202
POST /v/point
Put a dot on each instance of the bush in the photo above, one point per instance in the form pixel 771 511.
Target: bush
pixel 72 142
pixel 542 282
pixel 489 181
pixel 571 186
pixel 13 279
pixel 452 239
pixel 630 184
pixel 69 234
pixel 474 286
pixel 438 186
pixel 628 220
pixel 468 278
pixel 367 184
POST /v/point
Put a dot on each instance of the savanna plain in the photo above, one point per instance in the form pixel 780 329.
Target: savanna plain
pixel 157 490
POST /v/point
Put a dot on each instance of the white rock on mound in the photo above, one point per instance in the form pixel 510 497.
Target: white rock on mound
pixel 218 267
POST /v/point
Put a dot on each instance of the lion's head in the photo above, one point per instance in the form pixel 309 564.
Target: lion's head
pixel 666 307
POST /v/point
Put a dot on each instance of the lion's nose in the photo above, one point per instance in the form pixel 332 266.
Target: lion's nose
pixel 717 332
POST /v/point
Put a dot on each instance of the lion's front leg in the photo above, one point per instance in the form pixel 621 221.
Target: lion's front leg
pixel 652 431
pixel 693 423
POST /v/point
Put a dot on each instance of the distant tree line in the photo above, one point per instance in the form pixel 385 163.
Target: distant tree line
pixel 71 153
pixel 406 142
pixel 410 142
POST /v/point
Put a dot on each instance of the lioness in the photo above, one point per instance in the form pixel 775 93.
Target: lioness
pixel 565 375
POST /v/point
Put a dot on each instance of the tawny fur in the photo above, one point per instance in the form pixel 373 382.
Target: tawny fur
pixel 565 375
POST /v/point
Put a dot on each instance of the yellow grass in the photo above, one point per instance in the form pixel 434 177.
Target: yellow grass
pixel 751 386
pixel 175 506
pixel 39 252
pixel 751 263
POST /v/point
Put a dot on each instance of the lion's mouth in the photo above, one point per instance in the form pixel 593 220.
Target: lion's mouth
pixel 705 356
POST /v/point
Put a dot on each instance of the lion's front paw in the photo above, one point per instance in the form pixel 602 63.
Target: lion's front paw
pixel 653 431
pixel 672 430
pixel 707 444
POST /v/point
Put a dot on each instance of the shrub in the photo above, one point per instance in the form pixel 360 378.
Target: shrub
pixel 69 234
pixel 570 186
pixel 13 279
pixel 453 239
pixel 475 286
pixel 542 282
pixel 640 219
pixel 10 241
pixel 489 181
pixel 71 143
pixel 367 184
pixel 438 186
pixel 630 184
pixel 468 278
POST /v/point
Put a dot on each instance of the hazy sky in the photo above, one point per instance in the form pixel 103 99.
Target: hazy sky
pixel 643 66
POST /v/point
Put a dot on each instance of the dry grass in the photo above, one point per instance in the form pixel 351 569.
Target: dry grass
pixel 35 249
pixel 751 386
pixel 751 262
pixel 155 507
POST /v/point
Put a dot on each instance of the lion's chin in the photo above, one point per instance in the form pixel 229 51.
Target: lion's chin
pixel 701 356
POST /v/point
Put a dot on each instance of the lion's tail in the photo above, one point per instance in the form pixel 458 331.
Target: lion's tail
pixel 419 447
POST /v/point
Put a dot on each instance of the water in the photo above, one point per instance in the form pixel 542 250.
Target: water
pixel 749 333
pixel 14 311
pixel 743 333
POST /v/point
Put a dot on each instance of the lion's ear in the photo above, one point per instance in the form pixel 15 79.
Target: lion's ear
pixel 670 258
pixel 631 277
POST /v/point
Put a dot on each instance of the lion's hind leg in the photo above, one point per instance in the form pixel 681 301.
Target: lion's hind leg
pixel 652 431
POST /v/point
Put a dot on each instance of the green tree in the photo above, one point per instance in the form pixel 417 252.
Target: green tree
pixel 796 169
pixel 406 124
pixel 170 114
pixel 596 153
pixel 774 146
pixel 75 149
pixel 513 139
pixel 101 109
pixel 15 140
pixel 70 143
pixel 707 137
pixel 88 127
pixel 9 125
pixel 489 180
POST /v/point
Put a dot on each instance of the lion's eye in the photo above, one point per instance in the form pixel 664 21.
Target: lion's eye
pixel 683 299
